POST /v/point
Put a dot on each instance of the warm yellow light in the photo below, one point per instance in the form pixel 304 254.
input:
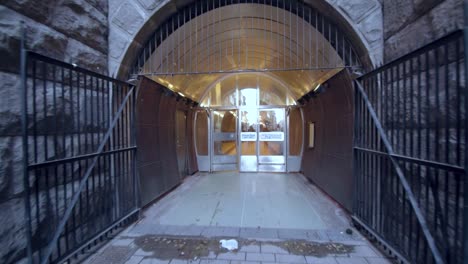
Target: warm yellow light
pixel 170 86
pixel 181 94
pixel 318 86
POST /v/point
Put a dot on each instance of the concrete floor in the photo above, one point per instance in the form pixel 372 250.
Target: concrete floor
pixel 266 200
pixel 267 213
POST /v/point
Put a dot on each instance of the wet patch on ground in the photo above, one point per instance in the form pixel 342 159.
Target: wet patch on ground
pixel 167 247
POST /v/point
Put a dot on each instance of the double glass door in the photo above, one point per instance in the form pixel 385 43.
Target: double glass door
pixel 262 139
pixel 249 139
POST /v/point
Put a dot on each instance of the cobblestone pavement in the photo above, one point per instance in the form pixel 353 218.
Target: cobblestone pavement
pixel 197 244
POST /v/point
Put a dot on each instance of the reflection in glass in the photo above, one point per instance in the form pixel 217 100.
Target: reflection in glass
pixel 271 148
pixel 227 147
pixel 248 90
pixel 271 120
pixel 224 128
pixel 249 120
pixel 202 133
pixel 224 121
pixel 249 124
pixel 248 97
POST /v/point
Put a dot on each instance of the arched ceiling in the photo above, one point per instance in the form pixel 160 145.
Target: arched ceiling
pixel 245 38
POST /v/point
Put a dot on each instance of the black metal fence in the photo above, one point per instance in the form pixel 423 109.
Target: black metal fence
pixel 410 139
pixel 79 145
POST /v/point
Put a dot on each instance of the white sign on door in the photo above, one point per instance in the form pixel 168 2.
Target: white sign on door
pixel 271 136
pixel 249 136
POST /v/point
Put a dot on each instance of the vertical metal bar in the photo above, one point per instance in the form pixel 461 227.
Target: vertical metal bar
pixel 24 132
pixel 72 149
pixel 135 153
pixel 185 68
pixel 86 143
pixel 284 35
pixel 465 97
pixel 55 139
pixel 167 48
pixel 436 139
pixel 290 35
pixel 78 127
pixel 447 149
pixel 196 37
pixel 99 110
pixel 64 167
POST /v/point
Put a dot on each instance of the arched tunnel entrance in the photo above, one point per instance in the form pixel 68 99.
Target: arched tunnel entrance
pixel 249 76
pixel 255 101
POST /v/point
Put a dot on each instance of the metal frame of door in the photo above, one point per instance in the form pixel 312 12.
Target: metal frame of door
pixel 217 162
pixel 258 162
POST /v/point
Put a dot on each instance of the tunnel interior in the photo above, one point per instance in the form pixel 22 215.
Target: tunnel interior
pixel 255 88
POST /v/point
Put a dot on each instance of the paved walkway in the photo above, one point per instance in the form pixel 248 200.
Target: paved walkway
pixel 281 218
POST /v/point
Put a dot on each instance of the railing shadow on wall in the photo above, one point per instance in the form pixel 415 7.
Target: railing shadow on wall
pixel 410 152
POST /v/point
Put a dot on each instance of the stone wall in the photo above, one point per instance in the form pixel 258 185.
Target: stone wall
pixel 410 24
pixel 73 31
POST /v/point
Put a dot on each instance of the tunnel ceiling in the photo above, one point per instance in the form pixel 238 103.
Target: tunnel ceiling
pixel 292 48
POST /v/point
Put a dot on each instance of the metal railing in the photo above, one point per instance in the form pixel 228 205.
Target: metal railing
pixel 409 154
pixel 79 157
pixel 195 41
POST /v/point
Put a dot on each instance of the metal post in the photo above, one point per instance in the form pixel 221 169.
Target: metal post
pixel 27 219
pixel 465 180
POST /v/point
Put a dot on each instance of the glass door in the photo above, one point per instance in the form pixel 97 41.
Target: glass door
pixel 224 140
pixel 248 140
pixel 271 140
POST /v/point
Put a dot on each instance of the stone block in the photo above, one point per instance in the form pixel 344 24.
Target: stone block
pixel 285 258
pixel 81 21
pixel 150 4
pixel 86 57
pixel 128 18
pixel 38 38
pixel 396 15
pixel 317 260
pixel 355 260
pixel 134 260
pixel 260 257
pixel 101 5
pixel 12 231
pixel 10 110
pixel 118 43
pixel 11 167
pixel 232 256
pixel 356 9
pixel 439 21
pixel 39 11
pixel 371 27
pixel 253 248
pixel 258 233
pixel 268 248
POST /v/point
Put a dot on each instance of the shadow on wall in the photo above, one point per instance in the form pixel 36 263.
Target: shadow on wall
pixel 329 163
pixel 156 140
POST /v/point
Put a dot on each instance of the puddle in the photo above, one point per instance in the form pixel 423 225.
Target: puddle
pixel 166 247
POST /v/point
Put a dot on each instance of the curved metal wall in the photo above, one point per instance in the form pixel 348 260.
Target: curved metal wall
pixel 329 164
pixel 156 137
